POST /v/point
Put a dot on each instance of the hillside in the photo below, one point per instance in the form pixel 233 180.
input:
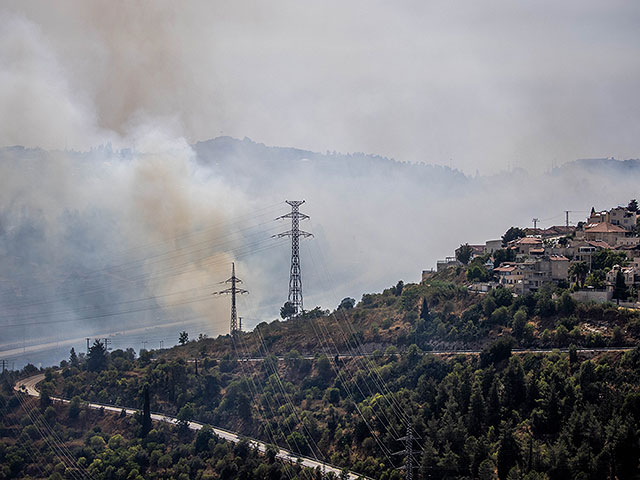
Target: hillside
pixel 497 414
pixel 438 314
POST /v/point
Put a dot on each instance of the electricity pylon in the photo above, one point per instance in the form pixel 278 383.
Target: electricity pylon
pixel 233 290
pixel 295 276
pixel 407 452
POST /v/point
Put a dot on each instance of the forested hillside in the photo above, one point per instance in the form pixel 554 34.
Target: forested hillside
pixel 498 414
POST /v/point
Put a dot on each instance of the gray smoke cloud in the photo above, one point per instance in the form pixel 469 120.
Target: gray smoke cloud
pixel 117 95
pixel 470 85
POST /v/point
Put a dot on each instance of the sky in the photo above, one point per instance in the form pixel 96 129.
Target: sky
pixel 482 86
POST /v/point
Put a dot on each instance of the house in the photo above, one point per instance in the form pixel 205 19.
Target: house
pixel 631 251
pixel 530 275
pixel 622 217
pixel 442 265
pixel 559 268
pixel 524 245
pixel 509 275
pixel 597 217
pixel 617 216
pixel 583 250
pixel 629 274
pixel 557 231
pixel 605 232
pixel 492 245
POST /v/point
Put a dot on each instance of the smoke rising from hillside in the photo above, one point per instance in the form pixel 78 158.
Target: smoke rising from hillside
pixel 118 96
pixel 469 86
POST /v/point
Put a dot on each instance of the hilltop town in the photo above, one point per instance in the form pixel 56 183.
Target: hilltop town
pixel 597 260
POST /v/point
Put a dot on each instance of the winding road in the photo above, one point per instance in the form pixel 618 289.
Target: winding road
pixel 28 386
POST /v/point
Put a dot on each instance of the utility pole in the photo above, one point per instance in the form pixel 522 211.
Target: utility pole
pixel 144 344
pixel 106 344
pixel 4 364
pixel 161 344
pixel 566 212
pixel 234 290
pixel 295 276
pixel 407 452
pixel 535 223
pixel 88 345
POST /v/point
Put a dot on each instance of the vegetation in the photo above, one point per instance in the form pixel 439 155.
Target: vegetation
pixel 501 414
pixel 512 234
pixel 464 253
pixel 72 441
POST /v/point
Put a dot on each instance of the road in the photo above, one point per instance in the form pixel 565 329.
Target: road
pixel 444 353
pixel 28 386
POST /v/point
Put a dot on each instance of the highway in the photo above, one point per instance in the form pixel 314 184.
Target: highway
pixel 28 386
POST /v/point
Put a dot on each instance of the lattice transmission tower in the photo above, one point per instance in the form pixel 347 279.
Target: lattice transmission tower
pixel 295 276
pixel 407 453
pixel 233 291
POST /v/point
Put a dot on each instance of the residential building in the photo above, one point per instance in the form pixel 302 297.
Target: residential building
pixel 523 245
pixel 629 274
pixel 442 265
pixel 530 275
pixel 597 217
pixel 604 231
pixel 492 246
pixel 622 217
pixel 509 275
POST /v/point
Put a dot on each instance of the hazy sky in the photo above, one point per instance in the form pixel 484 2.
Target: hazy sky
pixel 475 85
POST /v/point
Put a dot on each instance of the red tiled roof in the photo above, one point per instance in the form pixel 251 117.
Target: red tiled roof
pixel 599 244
pixel 529 241
pixel 604 227
pixel 558 258
pixel 506 268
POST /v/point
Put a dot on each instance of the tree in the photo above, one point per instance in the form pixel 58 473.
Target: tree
pixel 185 415
pixel 97 358
pixel 503 255
pixel 566 304
pixel 397 290
pixel 424 310
pixel 146 412
pixel 347 303
pixel 512 234
pixel 73 358
pixel 183 339
pixel 519 322
pixel 477 273
pixel 497 351
pixel 579 271
pixel 508 453
pixel 287 310
pixel 620 290
pixel 633 205
pixel 463 254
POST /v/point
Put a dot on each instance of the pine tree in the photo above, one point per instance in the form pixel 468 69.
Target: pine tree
pixel 73 358
pixel 146 412
pixel 97 358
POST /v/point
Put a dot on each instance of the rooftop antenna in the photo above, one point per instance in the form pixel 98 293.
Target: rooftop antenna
pixel 535 223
